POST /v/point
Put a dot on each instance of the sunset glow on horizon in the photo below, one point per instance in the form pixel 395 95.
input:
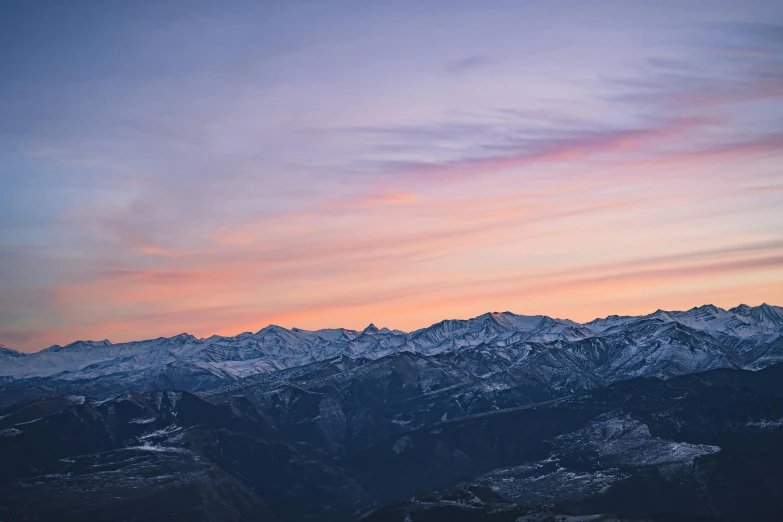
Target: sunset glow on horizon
pixel 183 167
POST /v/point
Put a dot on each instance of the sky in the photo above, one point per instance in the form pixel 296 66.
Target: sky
pixel 214 167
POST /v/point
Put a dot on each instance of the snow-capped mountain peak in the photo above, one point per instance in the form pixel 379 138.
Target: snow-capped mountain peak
pixel 371 329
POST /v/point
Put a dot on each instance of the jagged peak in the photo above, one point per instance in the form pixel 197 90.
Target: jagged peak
pixel 182 338
pixel 272 328
pixel 763 309
pixel 371 329
pixel 770 311
pixel 496 315
pixel 499 314
pixel 661 315
pixel 708 308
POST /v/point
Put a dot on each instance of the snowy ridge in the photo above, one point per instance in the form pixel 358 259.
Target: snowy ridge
pixel 7 352
pixel 741 321
pixel 664 343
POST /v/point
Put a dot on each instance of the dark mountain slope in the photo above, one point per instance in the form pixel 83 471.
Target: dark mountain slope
pixel 340 439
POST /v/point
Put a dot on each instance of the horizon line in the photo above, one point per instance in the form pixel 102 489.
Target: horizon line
pixel 3 346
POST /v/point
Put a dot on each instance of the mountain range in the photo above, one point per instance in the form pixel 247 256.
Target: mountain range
pixel 504 350
pixel 675 415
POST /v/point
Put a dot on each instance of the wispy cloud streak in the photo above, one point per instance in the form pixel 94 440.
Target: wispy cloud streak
pixel 317 166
